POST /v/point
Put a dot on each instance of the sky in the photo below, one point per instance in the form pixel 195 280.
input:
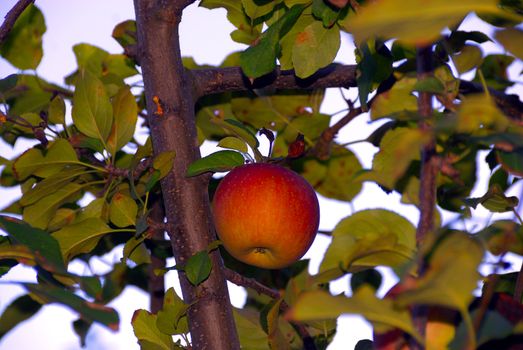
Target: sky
pixel 204 35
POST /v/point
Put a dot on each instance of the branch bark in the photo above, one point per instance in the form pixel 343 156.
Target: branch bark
pixel 219 80
pixel 156 283
pixel 170 105
pixel 12 16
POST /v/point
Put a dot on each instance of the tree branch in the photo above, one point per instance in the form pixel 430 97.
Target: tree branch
pixel 156 283
pixel 12 16
pixel 219 80
pixel 170 107
pixel 243 281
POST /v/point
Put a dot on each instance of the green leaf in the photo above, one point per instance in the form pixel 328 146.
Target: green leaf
pixel 398 148
pixel 135 250
pixel 260 59
pixel 56 111
pixel 511 39
pixel 320 305
pixel 92 110
pixel 125 113
pixel 334 178
pixel 40 213
pixel 495 71
pixel 90 58
pixel 250 332
pixel 123 210
pixel 90 311
pixel 198 267
pixel 164 162
pixel 81 237
pixel 125 33
pixel 21 309
pixel 397 100
pixel 92 286
pixel 503 236
pixel 430 84
pixel 233 143
pixel 469 58
pixel 215 162
pixel 366 239
pixel 374 66
pixel 413 21
pixel 145 329
pixel 258 8
pixel 315 48
pixel 494 200
pixel 512 162
pixel 328 14
pixel 23 45
pixel 34 162
pixel 45 248
pixel 172 318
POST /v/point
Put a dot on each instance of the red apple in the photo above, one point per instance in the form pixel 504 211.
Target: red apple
pixel 265 215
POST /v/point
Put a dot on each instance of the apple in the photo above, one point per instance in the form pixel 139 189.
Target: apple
pixel 265 215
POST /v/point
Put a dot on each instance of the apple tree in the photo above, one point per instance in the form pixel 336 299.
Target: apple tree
pixel 444 102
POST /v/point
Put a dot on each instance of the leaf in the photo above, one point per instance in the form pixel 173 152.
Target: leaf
pixel 369 238
pixel 451 275
pixel 320 305
pixel 125 33
pixel 81 237
pixel 503 236
pixel 413 21
pixel 270 322
pixel 511 39
pixel 90 311
pixel 164 162
pixel 23 45
pixel 480 112
pixel 145 329
pixel 398 148
pixel 512 162
pixel 123 210
pixel 56 111
pixel 260 59
pixel 198 268
pixel 40 213
pixel 92 110
pixel 250 332
pixel 215 162
pixel 172 318
pixel 469 58
pixel 21 309
pixel 135 250
pixel 125 113
pixel 90 58
pixel 233 143
pixel 258 8
pixel 45 248
pixel 33 162
pixel 328 14
pixel 397 100
pixel 494 200
pixel 315 48
pixel 334 178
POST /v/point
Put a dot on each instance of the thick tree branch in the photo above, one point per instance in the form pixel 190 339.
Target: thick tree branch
pixel 12 16
pixel 246 282
pixel 218 80
pixel 170 107
pixel 511 105
pixel 156 283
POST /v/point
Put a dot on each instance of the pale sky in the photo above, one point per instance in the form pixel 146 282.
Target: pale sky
pixel 204 36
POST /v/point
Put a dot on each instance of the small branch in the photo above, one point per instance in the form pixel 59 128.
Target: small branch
pixel 243 281
pixel 122 172
pixel 156 283
pixel 12 16
pixel 219 80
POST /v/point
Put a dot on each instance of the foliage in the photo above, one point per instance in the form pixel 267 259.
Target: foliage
pixel 92 153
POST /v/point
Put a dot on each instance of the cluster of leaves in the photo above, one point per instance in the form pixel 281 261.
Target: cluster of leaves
pixel 94 155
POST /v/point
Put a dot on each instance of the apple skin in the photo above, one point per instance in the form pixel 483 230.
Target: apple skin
pixel 265 215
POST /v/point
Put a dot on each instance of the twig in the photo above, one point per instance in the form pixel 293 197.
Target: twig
pixel 12 16
pixel 243 281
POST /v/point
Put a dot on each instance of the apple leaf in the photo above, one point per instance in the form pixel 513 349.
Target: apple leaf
pixel 315 48
pixel 216 162
pixel 89 310
pixel 81 237
pixel 494 200
pixel 468 58
pixel 249 330
pixel 92 110
pixel 478 114
pixel 320 305
pixel 123 210
pixel 135 250
pixel 125 112
pixel 172 318
pixel 164 162
pixel 56 111
pixel 21 309
pixel 148 334
pixel 511 39
pixel 233 143
pixel 198 268
pixel 366 239
pixel 503 236
pixel 23 44
pixel 413 21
